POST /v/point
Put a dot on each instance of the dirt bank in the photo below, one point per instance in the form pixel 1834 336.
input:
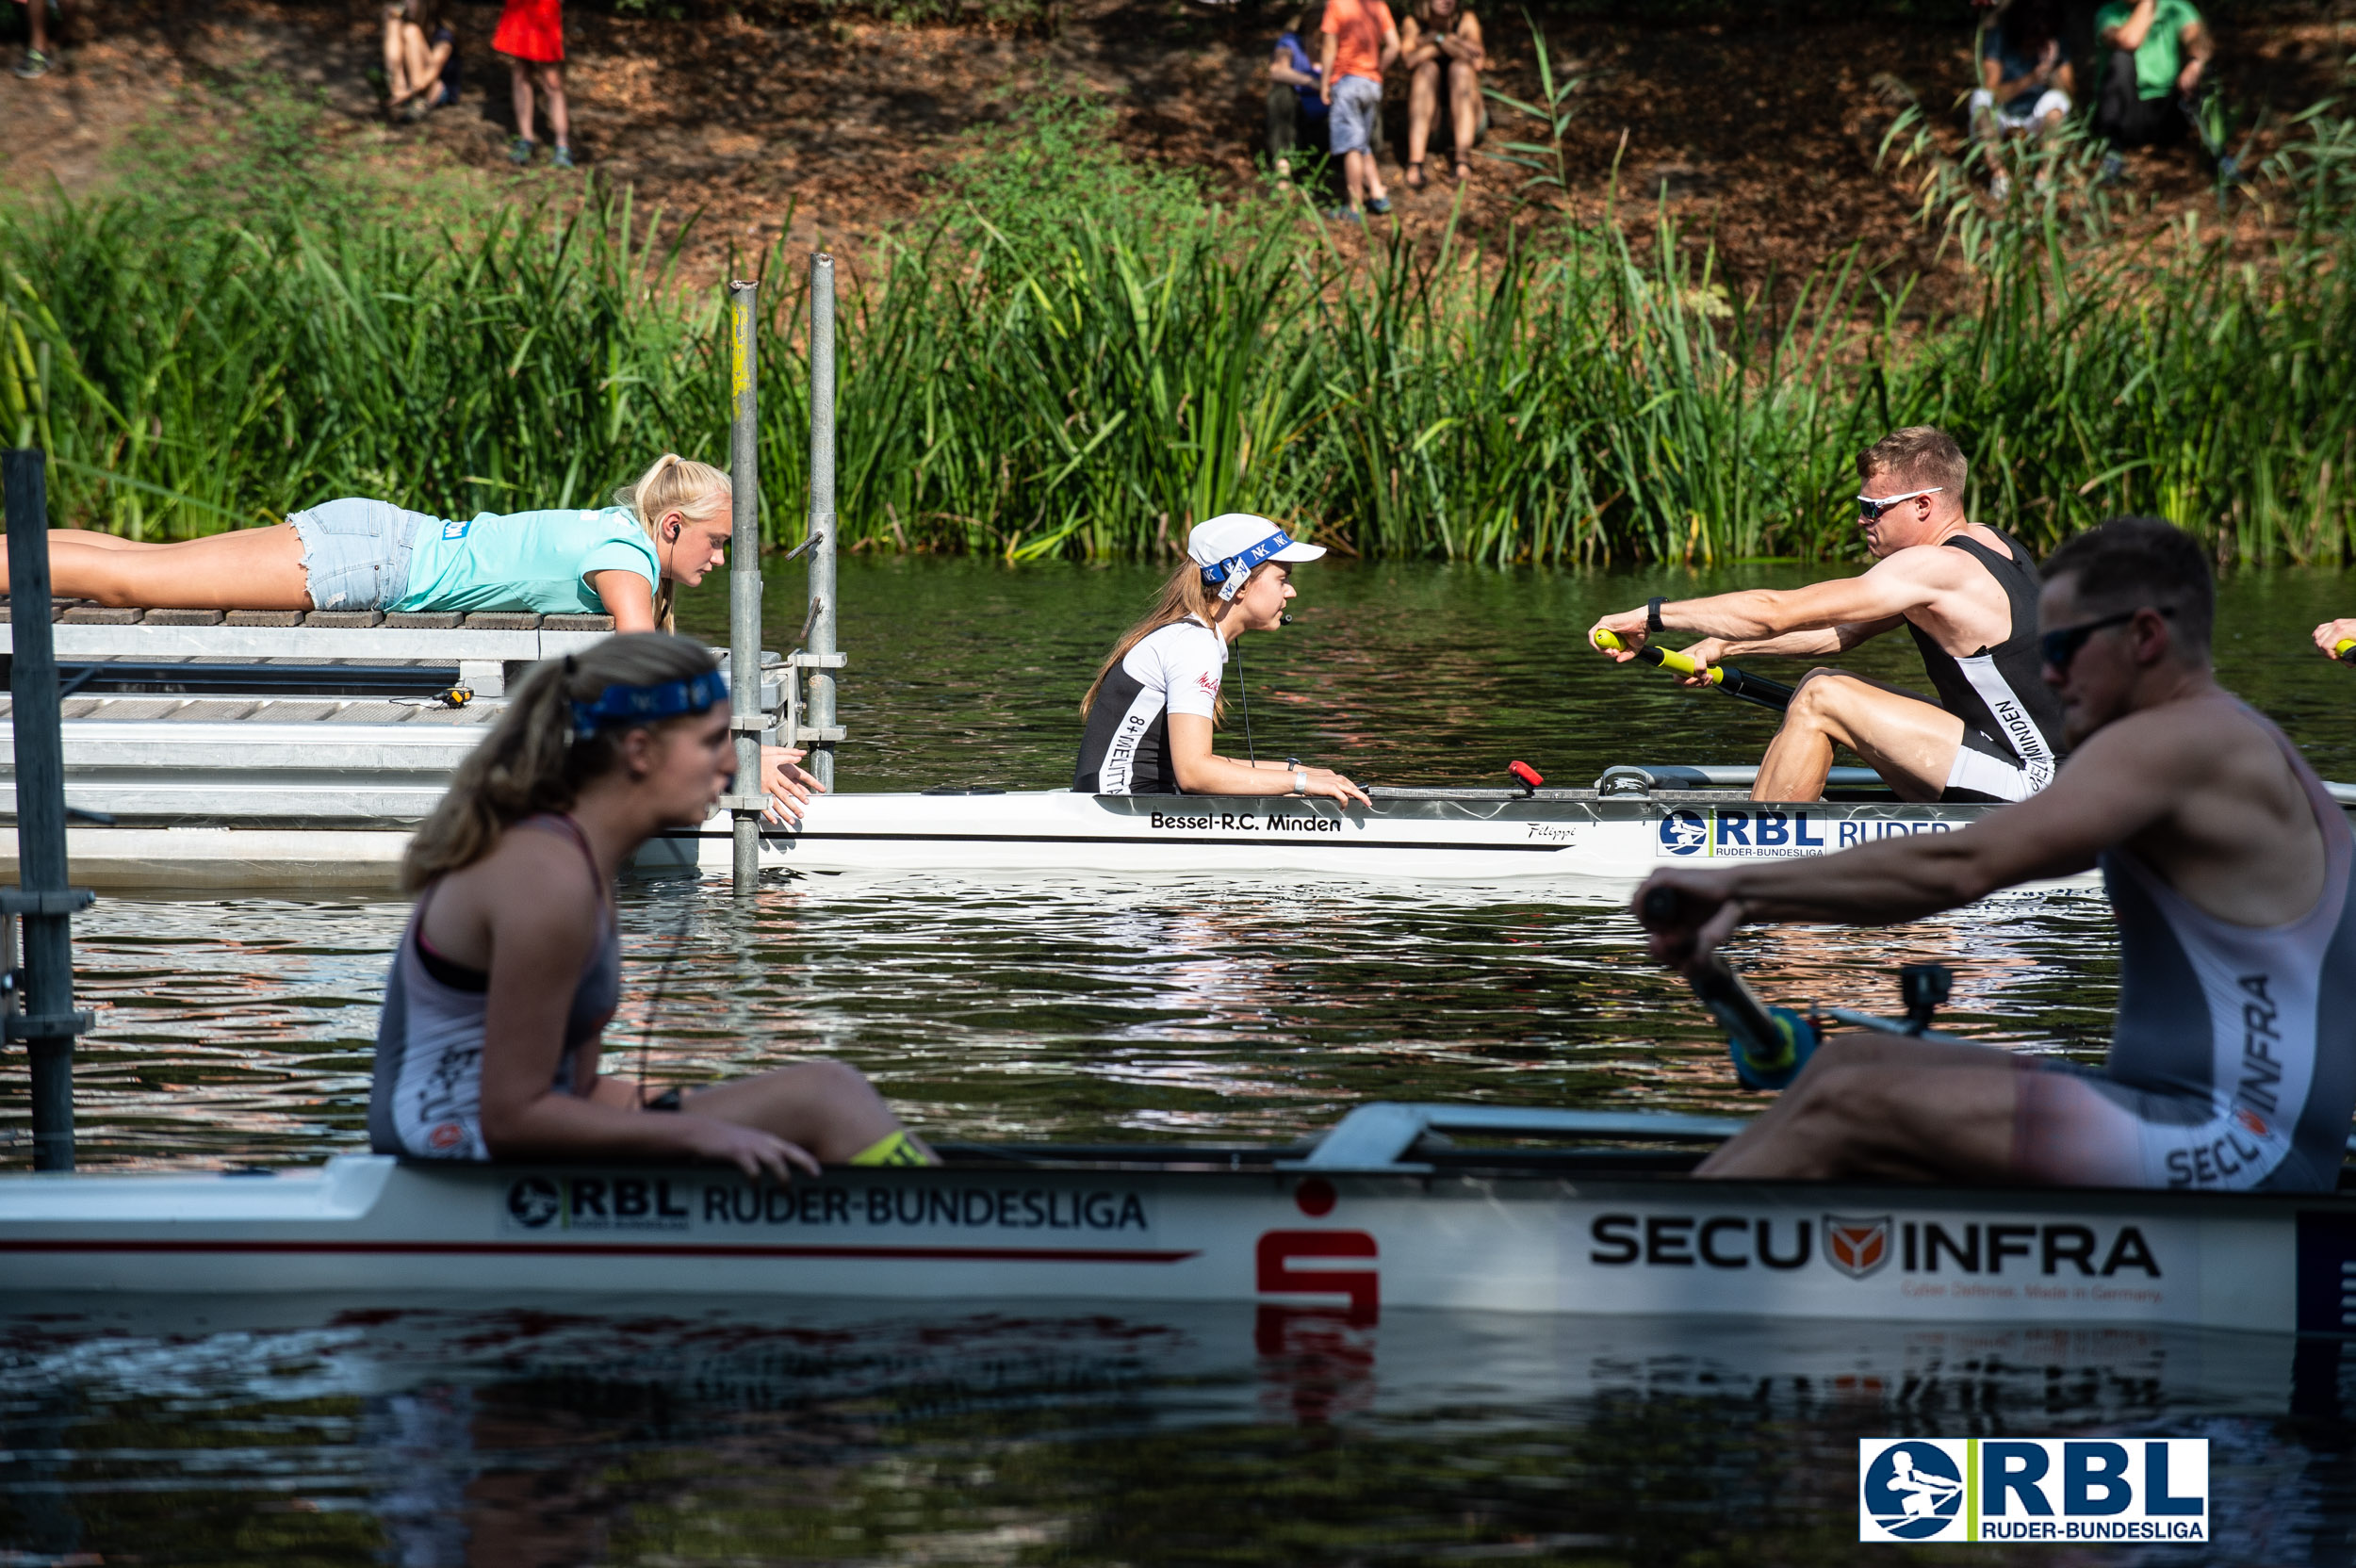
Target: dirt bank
pixel 1764 133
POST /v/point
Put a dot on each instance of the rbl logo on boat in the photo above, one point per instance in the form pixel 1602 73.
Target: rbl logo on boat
pixel 2033 1489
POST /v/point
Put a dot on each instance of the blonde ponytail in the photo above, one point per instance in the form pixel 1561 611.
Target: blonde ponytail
pixel 698 491
pixel 531 761
pixel 1185 594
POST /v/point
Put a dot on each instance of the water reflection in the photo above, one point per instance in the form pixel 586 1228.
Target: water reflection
pixel 615 1430
pixel 236 1030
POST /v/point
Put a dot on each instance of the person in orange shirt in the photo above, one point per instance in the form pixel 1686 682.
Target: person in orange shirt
pixel 1360 40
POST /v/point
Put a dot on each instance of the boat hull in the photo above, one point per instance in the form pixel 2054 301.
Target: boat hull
pixel 1341 1244
pixel 1438 834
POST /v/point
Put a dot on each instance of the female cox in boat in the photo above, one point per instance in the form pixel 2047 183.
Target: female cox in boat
pixel 1156 698
pixel 510 969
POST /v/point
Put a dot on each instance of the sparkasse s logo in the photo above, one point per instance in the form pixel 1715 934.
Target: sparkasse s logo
pixel 2033 1489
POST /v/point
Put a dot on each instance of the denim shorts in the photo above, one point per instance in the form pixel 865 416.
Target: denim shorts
pixel 355 553
pixel 1357 113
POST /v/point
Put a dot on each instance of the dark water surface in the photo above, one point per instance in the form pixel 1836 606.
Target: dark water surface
pixel 238 1030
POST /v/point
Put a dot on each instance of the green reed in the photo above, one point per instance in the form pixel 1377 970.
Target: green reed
pixel 1078 355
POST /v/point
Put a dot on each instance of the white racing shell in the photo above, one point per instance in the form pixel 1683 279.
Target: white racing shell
pixel 1439 835
pixel 1346 1245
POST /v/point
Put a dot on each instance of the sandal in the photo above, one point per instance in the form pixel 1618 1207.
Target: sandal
pixel 1414 176
pixel 1462 170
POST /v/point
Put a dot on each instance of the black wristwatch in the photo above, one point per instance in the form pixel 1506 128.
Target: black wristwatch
pixel 1652 616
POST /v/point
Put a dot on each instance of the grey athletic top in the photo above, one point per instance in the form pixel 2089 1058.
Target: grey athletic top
pixel 2011 717
pixel 2236 1045
pixel 427 1097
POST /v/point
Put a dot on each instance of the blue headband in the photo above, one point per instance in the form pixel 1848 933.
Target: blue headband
pixel 664 700
pixel 1232 571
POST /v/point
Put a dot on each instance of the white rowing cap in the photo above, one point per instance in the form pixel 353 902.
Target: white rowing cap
pixel 1231 545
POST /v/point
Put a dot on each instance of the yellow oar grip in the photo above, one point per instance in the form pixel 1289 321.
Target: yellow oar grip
pixel 2339 652
pixel 1668 659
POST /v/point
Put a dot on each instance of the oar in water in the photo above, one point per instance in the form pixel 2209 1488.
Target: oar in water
pixel 1734 683
pixel 1770 1045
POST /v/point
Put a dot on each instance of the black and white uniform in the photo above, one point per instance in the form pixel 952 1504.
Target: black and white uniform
pixel 2012 721
pixel 2233 1063
pixel 1175 669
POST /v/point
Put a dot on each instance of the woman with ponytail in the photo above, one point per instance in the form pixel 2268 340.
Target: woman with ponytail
pixel 511 966
pixel 1156 698
pixel 626 560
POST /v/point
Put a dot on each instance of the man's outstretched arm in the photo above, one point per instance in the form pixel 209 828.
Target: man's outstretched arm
pixel 1821 618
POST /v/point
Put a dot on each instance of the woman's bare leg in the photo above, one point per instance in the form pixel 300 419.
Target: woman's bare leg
pixel 395 59
pixel 1423 102
pixel 1463 102
pixel 519 85
pixel 560 117
pixel 826 1108
pixel 101 539
pixel 254 568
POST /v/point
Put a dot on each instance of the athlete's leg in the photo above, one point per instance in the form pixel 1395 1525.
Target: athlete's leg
pixel 1885 1106
pixel 1911 742
pixel 254 568
pixel 827 1107
pixel 101 539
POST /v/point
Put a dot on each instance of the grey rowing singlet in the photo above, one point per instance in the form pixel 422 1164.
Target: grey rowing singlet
pixel 2255 1024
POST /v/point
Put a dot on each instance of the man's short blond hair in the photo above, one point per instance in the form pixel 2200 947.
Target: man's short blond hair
pixel 1919 457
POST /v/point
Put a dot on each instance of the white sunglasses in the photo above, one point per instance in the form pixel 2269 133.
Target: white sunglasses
pixel 1870 511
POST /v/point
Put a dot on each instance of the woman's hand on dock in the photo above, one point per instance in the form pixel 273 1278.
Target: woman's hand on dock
pixel 787 786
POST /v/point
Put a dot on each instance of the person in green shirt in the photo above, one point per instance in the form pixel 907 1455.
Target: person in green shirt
pixel 2156 54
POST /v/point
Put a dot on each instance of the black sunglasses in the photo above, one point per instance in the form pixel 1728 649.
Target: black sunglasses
pixel 2060 646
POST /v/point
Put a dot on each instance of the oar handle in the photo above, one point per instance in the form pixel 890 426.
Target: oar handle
pixel 2346 651
pixel 1734 683
pixel 1768 1045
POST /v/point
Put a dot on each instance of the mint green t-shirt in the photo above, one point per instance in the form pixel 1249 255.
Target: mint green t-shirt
pixel 527 561
pixel 2161 55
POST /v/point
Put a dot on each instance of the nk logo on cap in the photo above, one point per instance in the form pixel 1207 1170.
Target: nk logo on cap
pixel 2033 1489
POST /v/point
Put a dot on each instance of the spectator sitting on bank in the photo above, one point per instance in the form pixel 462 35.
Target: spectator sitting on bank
pixel 2158 52
pixel 40 54
pixel 421 58
pixel 2025 82
pixel 1360 40
pixel 531 36
pixel 1441 48
pixel 1298 114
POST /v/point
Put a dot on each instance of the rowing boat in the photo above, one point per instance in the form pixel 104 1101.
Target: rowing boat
pixel 1634 819
pixel 1382 1211
pixel 244 813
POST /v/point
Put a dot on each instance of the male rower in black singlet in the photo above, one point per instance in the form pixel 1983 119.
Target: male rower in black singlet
pixel 2232 1063
pixel 1968 593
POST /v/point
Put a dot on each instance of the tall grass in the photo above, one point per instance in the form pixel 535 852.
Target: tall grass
pixel 1080 356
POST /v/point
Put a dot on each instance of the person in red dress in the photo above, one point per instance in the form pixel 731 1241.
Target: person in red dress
pixel 531 36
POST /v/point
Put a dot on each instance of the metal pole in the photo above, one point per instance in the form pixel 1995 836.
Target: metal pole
pixel 48 1023
pixel 823 658
pixel 744 581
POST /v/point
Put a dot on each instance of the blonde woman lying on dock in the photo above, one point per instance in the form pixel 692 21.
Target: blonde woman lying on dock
pixel 624 561
pixel 511 966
